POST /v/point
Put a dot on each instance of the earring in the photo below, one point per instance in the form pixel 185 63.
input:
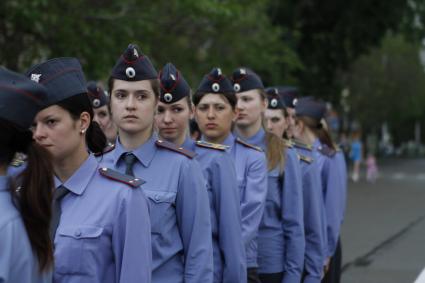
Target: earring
pixel 83 131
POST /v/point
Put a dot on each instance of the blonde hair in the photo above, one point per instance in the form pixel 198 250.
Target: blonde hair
pixel 276 148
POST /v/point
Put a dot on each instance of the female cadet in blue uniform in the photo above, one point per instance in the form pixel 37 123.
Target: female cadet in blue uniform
pixel 26 253
pixel 102 115
pixel 309 129
pixel 314 213
pixel 281 235
pixel 100 222
pixel 215 103
pixel 179 205
pixel 172 119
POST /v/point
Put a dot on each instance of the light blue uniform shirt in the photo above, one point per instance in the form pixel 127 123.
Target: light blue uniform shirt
pixel 179 211
pixel 220 175
pixel 251 173
pixel 17 260
pixel 281 240
pixel 104 231
pixel 334 194
pixel 314 219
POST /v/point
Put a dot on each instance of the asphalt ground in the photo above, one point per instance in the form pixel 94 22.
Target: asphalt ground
pixel 383 235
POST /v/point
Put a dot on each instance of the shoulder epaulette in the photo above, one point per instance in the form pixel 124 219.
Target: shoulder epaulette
pixel 18 161
pixel 122 178
pixel 302 145
pixel 288 143
pixel 211 145
pixel 249 145
pixel 107 149
pixel 305 158
pixel 326 150
pixel 171 146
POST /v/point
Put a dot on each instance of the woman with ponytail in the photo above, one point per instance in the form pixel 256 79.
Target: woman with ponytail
pixel 281 240
pixel 277 121
pixel 309 128
pixel 26 253
pixel 100 222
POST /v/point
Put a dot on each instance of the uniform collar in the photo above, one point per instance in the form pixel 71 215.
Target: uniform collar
pixel 229 141
pixel 78 182
pixel 189 144
pixel 258 138
pixel 4 180
pixel 144 153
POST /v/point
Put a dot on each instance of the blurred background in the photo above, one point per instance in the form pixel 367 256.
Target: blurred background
pixel 365 57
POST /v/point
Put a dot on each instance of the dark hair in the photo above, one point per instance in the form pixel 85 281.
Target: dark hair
pixel 36 183
pixel 154 84
pixel 77 104
pixel 318 130
pixel 230 96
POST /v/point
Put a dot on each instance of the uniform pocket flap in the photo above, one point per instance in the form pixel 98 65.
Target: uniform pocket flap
pixel 80 232
pixel 158 196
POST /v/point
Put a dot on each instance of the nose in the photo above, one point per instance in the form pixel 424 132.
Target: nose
pixel 239 104
pixel 211 113
pixel 269 125
pixel 130 103
pixel 37 133
pixel 96 118
pixel 168 117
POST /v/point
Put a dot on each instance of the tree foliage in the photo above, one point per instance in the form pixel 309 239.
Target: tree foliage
pixel 329 35
pixel 388 85
pixel 194 35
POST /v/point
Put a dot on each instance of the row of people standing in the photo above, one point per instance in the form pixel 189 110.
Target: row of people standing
pixel 240 205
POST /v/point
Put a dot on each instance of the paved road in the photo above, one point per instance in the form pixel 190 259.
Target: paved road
pixel 384 231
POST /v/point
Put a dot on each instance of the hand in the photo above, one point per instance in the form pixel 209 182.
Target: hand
pixel 326 267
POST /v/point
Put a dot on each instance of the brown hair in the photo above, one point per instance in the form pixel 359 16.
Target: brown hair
pixel 318 130
pixel 35 194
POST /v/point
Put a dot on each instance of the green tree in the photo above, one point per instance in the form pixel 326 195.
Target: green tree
pixel 388 85
pixel 194 35
pixel 329 35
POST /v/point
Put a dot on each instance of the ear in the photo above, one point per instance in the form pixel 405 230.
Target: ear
pixel 85 121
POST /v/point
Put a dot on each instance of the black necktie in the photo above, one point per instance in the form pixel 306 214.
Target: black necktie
pixel 129 159
pixel 56 209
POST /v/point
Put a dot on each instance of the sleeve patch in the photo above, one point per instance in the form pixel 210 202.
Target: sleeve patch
pixel 122 178
pixel 171 146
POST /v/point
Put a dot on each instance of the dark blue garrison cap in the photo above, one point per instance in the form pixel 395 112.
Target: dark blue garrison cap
pixel 20 98
pixel 289 94
pixel 133 66
pixel 62 77
pixel 96 95
pixel 309 107
pixel 215 82
pixel 173 85
pixel 245 79
pixel 275 101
